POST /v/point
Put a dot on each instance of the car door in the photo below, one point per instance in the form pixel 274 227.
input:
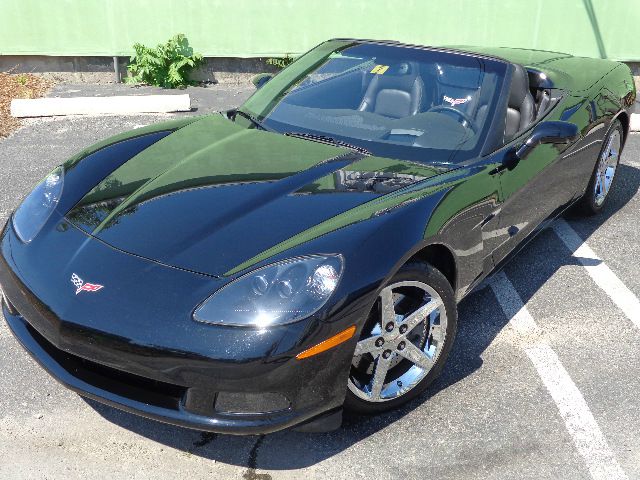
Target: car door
pixel 532 190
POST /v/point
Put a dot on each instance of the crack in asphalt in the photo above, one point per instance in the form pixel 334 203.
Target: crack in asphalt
pixel 252 463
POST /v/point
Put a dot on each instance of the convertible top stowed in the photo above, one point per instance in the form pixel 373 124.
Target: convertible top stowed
pixel 267 267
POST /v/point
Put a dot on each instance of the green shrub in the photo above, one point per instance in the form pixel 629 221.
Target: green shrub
pixel 168 65
pixel 281 62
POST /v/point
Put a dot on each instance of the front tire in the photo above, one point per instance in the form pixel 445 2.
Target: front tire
pixel 405 340
pixel 604 173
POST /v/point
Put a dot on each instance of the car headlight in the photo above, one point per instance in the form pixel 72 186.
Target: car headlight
pixel 38 206
pixel 274 295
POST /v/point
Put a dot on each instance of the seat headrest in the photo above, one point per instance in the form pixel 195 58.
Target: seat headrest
pixel 519 86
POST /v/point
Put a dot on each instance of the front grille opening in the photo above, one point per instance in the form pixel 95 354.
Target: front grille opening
pixel 251 403
pixel 128 385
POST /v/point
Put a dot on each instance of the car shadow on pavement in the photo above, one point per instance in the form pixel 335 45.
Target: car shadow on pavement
pixel 480 321
pixel 547 253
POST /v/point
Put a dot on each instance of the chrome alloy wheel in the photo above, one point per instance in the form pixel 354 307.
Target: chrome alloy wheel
pixel 400 343
pixel 607 166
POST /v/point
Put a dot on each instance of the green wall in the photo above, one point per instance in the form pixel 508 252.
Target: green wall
pixel 252 28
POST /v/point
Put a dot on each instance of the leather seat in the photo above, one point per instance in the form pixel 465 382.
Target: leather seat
pixel 396 94
pixel 521 109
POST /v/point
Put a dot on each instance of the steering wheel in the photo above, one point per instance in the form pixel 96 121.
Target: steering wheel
pixel 466 120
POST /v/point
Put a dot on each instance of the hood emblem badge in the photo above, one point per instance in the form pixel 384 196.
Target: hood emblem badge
pixel 82 286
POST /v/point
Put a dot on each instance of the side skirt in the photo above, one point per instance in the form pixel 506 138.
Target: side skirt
pixel 534 233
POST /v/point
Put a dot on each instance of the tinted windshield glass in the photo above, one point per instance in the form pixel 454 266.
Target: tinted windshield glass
pixel 395 101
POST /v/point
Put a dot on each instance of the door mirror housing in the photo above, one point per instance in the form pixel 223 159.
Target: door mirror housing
pixel 260 79
pixel 554 132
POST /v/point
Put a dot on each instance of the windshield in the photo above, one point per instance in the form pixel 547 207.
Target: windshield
pixel 392 100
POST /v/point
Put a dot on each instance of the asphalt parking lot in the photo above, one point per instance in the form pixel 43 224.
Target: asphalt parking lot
pixel 542 382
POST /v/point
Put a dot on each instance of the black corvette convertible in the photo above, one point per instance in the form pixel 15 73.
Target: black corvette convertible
pixel 267 267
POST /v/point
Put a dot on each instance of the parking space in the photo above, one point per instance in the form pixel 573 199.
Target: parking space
pixel 542 382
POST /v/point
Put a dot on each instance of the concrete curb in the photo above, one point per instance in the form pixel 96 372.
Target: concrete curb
pixel 47 107
pixel 635 122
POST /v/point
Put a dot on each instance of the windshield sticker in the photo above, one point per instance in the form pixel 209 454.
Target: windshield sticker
pixel 380 69
pixel 455 101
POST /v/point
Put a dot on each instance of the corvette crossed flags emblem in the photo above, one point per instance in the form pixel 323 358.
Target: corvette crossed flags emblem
pixel 81 286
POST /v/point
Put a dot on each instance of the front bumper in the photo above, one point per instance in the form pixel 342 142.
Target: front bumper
pixel 165 402
pixel 179 371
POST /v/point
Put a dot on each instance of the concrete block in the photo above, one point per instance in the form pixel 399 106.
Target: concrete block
pixel 47 107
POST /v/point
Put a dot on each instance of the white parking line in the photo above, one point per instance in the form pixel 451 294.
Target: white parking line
pixel 581 424
pixel 599 272
pixel 579 420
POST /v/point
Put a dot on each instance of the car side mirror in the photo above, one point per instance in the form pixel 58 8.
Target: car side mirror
pixel 555 132
pixel 260 79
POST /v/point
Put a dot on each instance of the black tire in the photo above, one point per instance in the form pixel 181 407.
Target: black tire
pixel 588 205
pixel 426 274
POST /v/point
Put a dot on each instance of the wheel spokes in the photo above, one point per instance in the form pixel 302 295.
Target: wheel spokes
pixel 598 184
pixel 603 183
pixel 414 319
pixel 607 166
pixel 368 345
pixel 416 356
pixel 390 359
pixel 379 375
pixel 387 306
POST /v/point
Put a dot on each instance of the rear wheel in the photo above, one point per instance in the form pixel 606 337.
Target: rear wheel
pixel 404 342
pixel 602 179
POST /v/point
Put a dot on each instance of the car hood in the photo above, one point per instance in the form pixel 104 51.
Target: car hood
pixel 213 194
